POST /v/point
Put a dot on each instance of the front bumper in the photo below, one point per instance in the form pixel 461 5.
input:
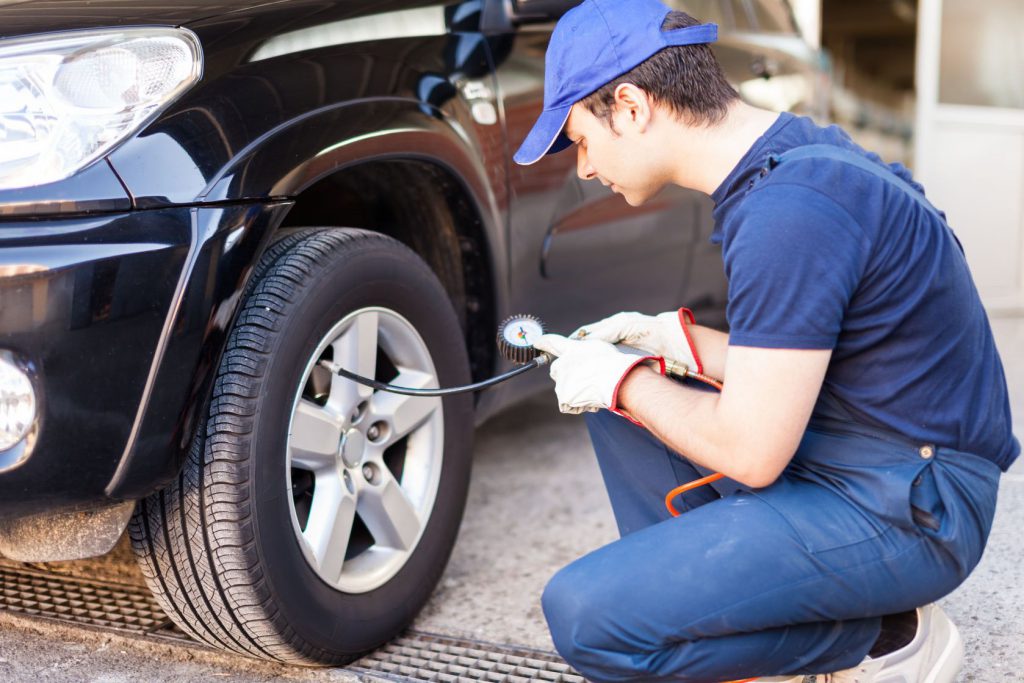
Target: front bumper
pixel 122 320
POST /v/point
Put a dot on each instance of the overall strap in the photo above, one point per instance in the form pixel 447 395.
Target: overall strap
pixel 878 170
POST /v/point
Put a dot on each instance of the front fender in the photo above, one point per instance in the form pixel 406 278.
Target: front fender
pixel 293 156
pixel 225 244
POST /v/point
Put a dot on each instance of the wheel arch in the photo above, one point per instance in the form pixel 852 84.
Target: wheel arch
pixel 351 151
pixel 434 214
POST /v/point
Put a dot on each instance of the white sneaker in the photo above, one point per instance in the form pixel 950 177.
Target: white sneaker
pixel 935 655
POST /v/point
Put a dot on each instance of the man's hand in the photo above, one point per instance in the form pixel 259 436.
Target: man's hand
pixel 587 374
pixel 664 335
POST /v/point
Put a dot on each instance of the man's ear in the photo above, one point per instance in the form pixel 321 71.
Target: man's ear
pixel 634 105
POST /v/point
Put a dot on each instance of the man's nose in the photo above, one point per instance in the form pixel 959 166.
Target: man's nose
pixel 583 168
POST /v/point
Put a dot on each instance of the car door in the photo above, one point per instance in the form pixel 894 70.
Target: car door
pixel 578 252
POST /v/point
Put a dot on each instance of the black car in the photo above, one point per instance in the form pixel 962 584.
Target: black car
pixel 200 203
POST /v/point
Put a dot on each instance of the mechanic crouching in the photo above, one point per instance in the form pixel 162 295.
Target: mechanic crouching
pixel 864 420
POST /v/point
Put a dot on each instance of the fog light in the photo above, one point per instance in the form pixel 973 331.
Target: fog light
pixel 17 402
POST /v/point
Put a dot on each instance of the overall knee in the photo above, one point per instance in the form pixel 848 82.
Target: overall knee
pixel 564 606
pixel 581 622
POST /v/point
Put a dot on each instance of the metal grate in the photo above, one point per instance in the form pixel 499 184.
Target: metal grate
pixel 418 656
pixel 413 656
pixel 105 604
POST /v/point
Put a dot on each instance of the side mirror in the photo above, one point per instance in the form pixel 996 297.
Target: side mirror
pixel 502 16
pixel 539 11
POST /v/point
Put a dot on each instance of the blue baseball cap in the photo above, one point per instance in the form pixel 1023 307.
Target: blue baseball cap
pixel 593 44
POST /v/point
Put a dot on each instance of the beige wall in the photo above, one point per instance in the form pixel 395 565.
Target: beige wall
pixel 808 16
pixel 970 135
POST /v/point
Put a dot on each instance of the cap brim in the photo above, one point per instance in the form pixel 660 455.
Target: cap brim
pixel 546 136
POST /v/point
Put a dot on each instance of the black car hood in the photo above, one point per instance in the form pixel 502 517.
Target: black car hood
pixel 25 17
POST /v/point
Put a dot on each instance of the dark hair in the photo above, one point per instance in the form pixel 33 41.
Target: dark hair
pixel 686 78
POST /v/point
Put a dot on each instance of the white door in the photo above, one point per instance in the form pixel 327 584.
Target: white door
pixel 970 135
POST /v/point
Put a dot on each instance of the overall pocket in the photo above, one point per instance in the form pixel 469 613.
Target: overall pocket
pixel 952 502
pixel 927 511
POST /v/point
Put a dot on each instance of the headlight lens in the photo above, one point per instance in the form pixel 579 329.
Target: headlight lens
pixel 67 99
pixel 17 402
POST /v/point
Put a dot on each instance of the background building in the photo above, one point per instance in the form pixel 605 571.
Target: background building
pixel 937 85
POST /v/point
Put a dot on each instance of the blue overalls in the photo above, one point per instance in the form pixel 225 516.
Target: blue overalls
pixel 792 578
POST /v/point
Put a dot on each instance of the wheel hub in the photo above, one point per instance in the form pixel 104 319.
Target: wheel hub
pixel 351 448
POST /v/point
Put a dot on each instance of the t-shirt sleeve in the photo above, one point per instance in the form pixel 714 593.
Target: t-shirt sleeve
pixel 793 261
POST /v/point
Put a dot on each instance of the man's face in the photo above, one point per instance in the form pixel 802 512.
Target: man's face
pixel 618 158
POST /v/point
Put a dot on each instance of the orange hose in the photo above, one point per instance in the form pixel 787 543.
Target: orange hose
pixel 703 480
pixel 686 487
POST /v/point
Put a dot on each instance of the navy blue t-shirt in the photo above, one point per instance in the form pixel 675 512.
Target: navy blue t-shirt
pixel 821 254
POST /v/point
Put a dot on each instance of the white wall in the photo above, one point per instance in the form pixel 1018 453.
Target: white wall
pixel 970 135
pixel 808 16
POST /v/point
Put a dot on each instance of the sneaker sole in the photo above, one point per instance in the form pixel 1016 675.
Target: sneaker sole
pixel 949 661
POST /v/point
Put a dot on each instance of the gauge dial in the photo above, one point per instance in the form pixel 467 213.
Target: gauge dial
pixel 516 337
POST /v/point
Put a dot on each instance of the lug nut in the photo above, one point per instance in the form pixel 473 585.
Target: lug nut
pixel 368 473
pixel 376 431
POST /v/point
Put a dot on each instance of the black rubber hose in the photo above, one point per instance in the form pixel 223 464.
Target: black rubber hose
pixel 409 391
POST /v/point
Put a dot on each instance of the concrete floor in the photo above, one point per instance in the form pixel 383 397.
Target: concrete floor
pixel 536 503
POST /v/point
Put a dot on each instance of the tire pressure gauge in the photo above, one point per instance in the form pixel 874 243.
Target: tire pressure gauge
pixel 516 337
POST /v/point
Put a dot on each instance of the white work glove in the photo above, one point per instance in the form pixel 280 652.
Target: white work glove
pixel 664 335
pixel 588 373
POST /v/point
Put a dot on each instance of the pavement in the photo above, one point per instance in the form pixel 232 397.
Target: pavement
pixel 536 503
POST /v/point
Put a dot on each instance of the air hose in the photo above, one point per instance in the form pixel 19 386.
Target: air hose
pixel 410 391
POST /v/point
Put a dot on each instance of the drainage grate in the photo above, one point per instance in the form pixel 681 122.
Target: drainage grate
pixel 105 604
pixel 421 656
pixel 413 656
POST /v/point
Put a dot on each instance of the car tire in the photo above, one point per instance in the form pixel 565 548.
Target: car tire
pixel 239 550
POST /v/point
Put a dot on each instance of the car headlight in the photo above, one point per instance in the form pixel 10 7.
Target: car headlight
pixel 67 99
pixel 17 402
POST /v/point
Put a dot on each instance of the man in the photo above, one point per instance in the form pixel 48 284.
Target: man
pixel 864 420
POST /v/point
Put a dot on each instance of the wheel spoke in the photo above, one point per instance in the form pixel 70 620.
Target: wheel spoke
pixel 356 351
pixel 389 514
pixel 330 525
pixel 406 413
pixel 313 440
